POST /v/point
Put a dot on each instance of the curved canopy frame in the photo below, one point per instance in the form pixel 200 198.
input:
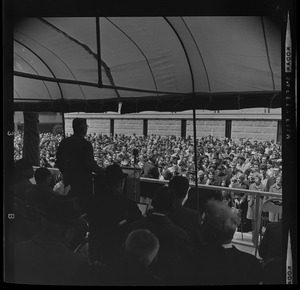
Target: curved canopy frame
pixel 91 64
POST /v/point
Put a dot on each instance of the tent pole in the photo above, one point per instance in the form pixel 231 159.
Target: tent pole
pixel 195 158
pixel 63 123
pixel 63 117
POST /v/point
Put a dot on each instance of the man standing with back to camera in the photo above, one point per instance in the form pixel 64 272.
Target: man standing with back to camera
pixel 75 160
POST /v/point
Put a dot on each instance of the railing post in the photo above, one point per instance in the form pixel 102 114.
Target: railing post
pixel 256 221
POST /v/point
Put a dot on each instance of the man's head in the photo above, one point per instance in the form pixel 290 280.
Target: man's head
pixel 114 176
pixel 167 175
pixel 23 169
pixel 263 169
pixel 60 215
pixel 141 246
pixel 220 169
pixel 257 177
pixel 241 159
pixel 255 166
pixel 241 178
pixel 210 174
pixel 279 179
pixel 164 199
pixel 43 175
pixel 181 185
pixel 219 223
pixel 80 126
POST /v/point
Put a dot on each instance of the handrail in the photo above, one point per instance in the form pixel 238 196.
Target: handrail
pixel 214 187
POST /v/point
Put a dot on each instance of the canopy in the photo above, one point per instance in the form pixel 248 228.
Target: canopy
pixel 133 64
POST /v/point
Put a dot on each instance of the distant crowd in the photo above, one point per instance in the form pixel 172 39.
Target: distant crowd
pixel 173 155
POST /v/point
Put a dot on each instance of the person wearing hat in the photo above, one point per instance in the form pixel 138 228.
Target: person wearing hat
pixel 110 212
pixel 45 259
pixel 75 160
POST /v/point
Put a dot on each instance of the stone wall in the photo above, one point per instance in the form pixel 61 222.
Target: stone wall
pixel 164 127
pixel 260 130
pixel 215 128
pixel 98 126
pixel 128 126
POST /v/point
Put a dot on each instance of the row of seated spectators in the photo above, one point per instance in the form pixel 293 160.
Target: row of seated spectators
pixel 171 244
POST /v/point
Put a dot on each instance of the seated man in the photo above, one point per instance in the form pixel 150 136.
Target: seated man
pixel 219 262
pixel 109 214
pixel 23 228
pixel 134 268
pixel 45 259
pixel 270 250
pixel 186 218
pixel 175 245
pixel 23 174
pixel 39 195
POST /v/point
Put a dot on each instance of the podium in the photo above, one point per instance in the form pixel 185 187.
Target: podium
pixel 132 185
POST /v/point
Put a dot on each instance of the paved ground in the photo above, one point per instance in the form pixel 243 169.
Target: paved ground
pixel 244 242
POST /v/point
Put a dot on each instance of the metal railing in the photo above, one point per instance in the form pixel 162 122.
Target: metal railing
pixel 256 194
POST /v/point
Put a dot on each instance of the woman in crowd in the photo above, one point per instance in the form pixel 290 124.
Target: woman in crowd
pixel 251 213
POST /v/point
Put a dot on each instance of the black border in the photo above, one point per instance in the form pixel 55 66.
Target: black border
pixel 275 9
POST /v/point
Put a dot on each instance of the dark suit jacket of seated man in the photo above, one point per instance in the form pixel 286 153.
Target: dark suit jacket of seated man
pixel 186 218
pixel 45 259
pixel 175 245
pixel 110 212
pixel 219 262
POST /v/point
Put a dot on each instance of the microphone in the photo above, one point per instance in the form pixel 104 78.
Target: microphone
pixel 135 152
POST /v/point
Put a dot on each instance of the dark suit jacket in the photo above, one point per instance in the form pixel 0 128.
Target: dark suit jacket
pixel 190 221
pixel 215 265
pixel 175 247
pixel 75 159
pixel 132 273
pixel 271 243
pixel 44 260
pixel 109 215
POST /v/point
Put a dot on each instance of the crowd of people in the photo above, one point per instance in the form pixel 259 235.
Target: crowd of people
pixel 172 155
pixel 173 243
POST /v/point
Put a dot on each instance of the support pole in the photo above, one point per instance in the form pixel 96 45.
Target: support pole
pixel 195 154
pixel 31 145
pixel 63 124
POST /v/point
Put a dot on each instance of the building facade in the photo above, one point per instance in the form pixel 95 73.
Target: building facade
pixel 254 124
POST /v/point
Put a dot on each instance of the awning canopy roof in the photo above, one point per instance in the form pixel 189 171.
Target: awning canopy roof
pixel 91 64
